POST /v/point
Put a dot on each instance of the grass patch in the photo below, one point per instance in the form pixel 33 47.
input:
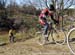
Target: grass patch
pixel 21 36
pixel 4 38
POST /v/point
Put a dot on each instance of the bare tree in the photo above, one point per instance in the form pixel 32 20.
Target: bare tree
pixel 3 3
pixel 60 6
pixel 3 11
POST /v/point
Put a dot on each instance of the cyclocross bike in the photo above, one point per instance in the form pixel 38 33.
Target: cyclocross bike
pixel 71 34
pixel 57 35
pixel 71 40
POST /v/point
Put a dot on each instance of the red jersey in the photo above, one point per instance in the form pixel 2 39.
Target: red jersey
pixel 44 13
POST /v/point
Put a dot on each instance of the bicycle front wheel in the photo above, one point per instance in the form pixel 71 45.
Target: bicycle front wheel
pixel 59 37
pixel 71 40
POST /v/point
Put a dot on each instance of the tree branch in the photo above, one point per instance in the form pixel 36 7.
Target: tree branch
pixel 40 4
pixel 66 2
pixel 46 3
pixel 71 3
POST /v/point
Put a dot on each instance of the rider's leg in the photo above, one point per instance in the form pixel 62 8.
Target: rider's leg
pixel 10 38
pixel 46 26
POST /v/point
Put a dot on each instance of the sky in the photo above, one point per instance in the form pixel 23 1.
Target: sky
pixel 20 2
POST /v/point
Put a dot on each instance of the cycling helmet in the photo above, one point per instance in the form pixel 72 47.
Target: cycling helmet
pixel 52 8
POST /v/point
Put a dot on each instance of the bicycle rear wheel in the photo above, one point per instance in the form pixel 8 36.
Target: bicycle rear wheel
pixel 71 40
pixel 41 39
pixel 59 36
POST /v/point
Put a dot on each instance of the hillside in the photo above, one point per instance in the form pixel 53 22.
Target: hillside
pixel 31 47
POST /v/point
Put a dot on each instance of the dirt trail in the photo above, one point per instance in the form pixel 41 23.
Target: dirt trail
pixel 31 47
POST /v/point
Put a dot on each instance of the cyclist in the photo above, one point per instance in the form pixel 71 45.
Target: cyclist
pixel 43 21
pixel 12 33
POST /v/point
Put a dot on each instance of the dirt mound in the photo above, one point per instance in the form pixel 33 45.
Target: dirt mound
pixel 31 47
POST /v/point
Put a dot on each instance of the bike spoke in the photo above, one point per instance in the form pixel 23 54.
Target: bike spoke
pixel 59 37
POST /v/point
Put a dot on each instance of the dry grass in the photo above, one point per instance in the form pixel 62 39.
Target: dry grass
pixel 31 47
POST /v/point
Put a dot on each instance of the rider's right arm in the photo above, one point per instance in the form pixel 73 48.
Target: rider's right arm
pixel 54 20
